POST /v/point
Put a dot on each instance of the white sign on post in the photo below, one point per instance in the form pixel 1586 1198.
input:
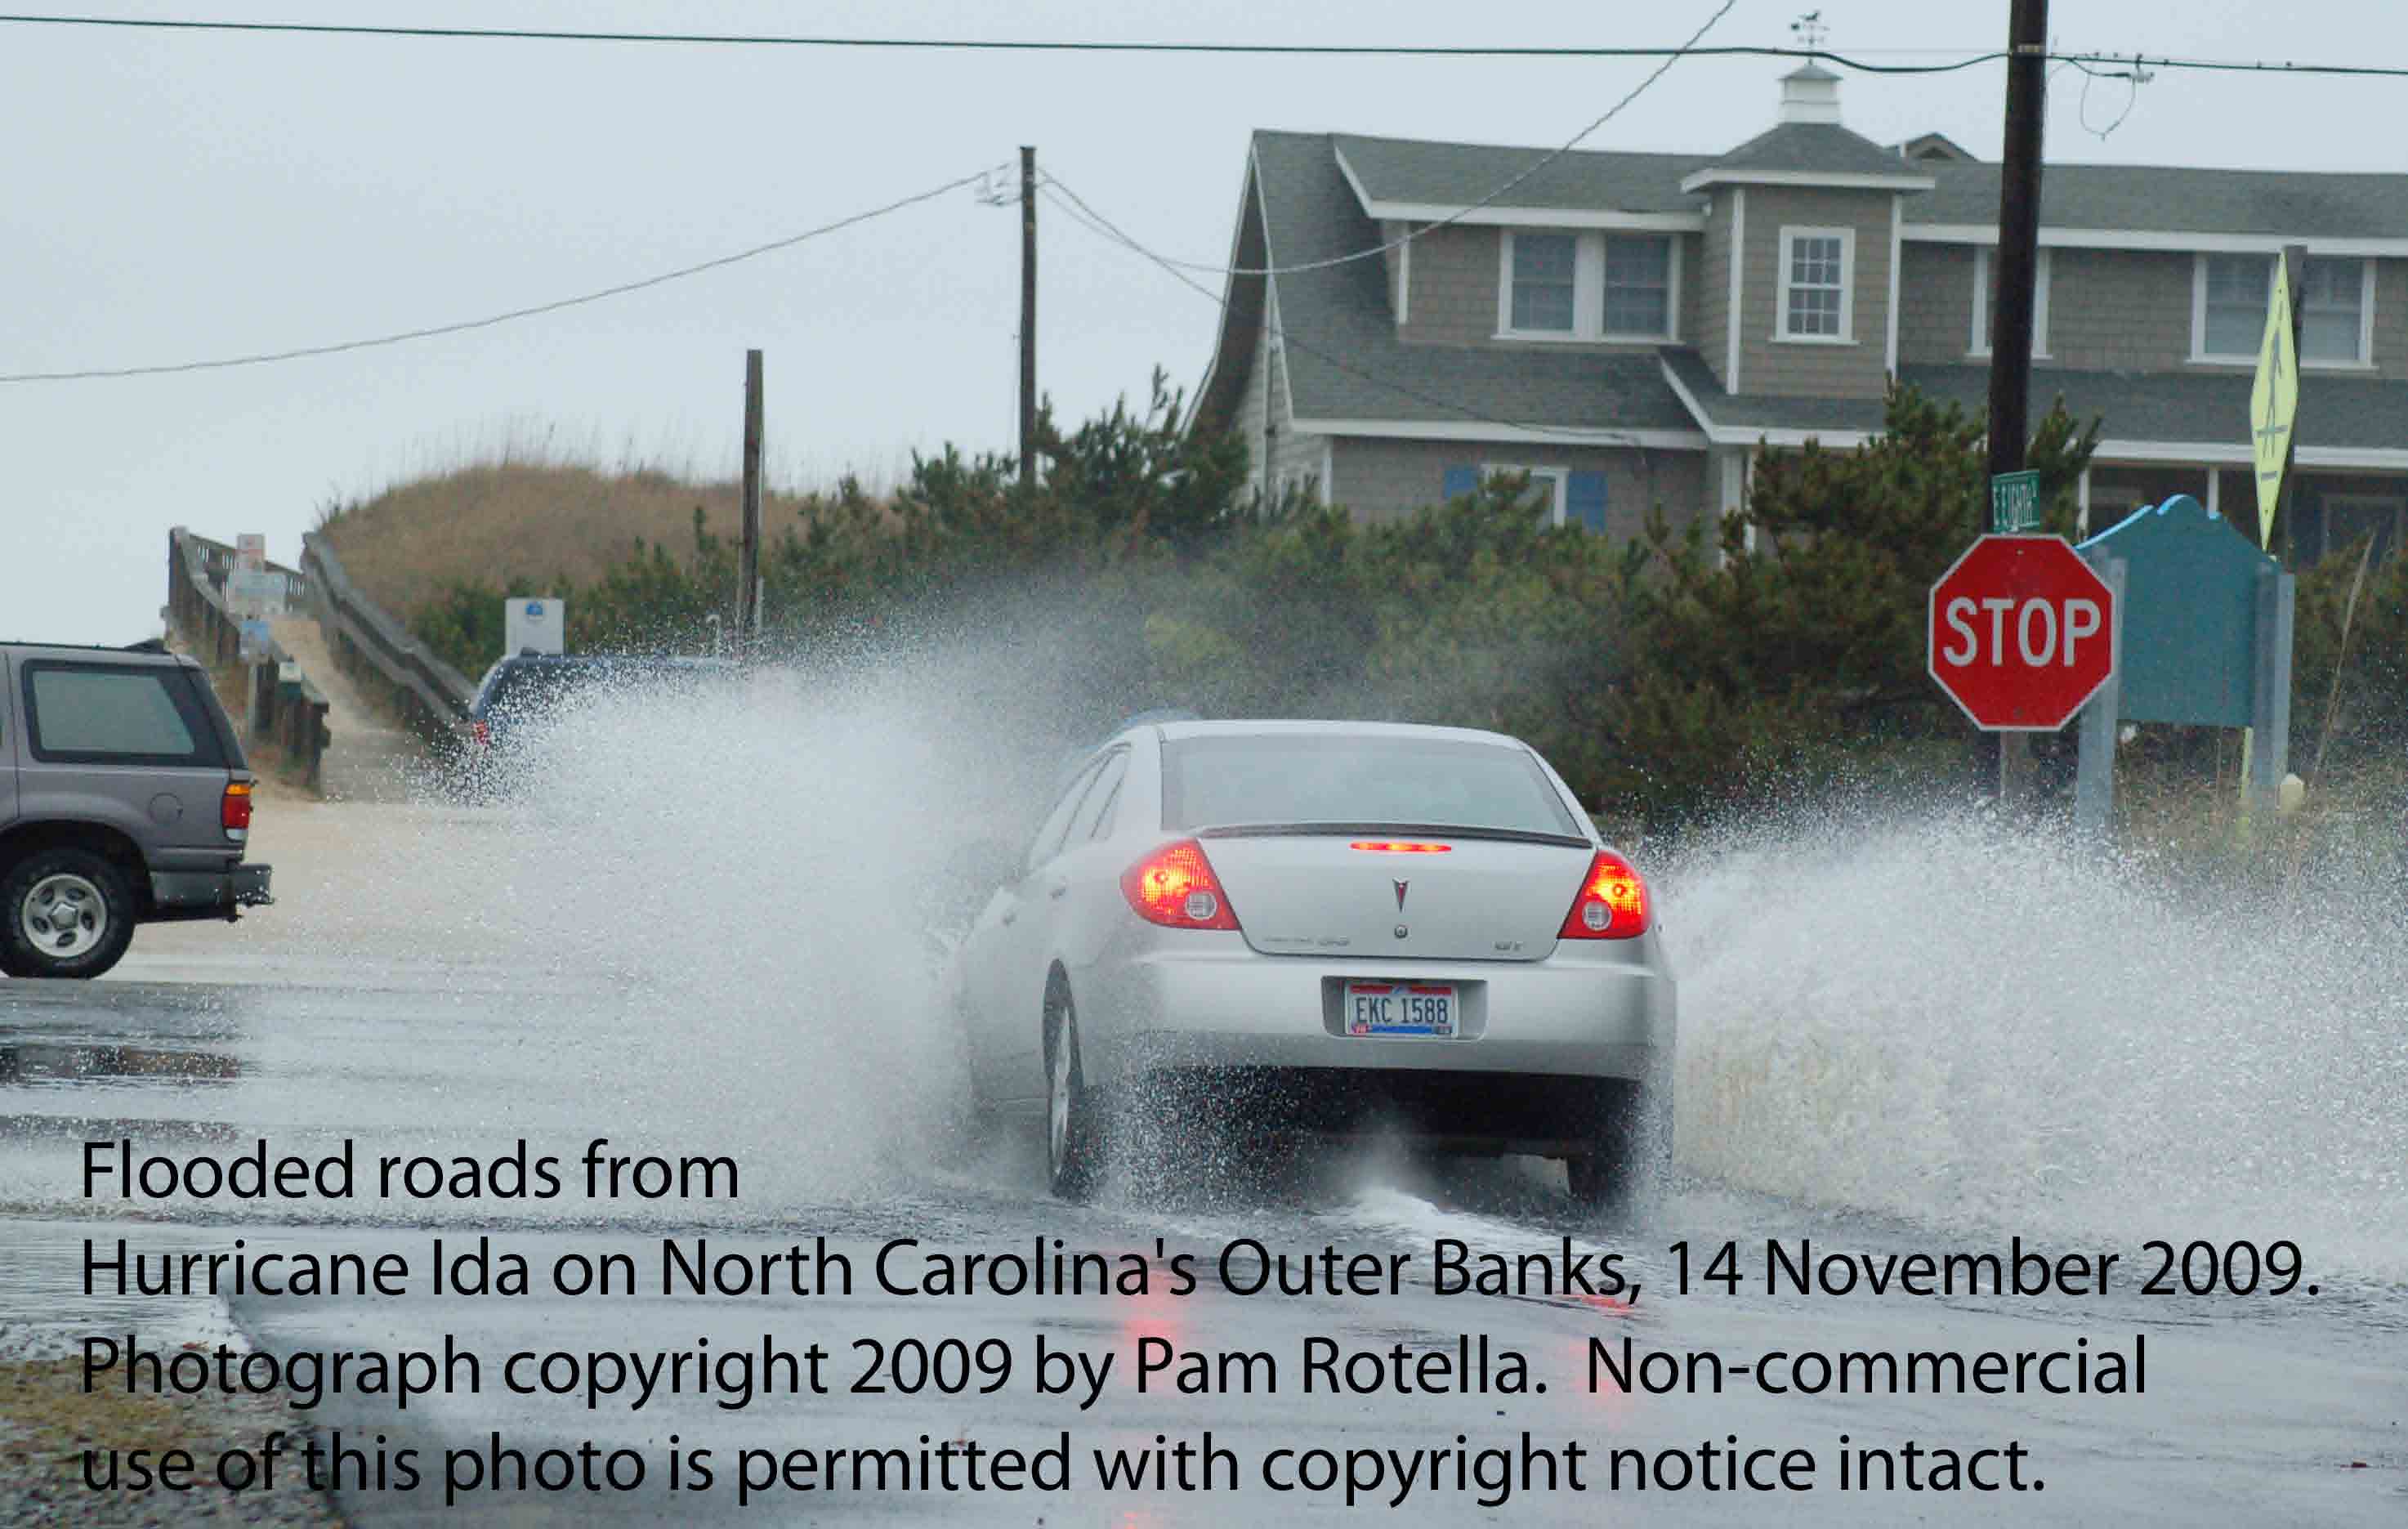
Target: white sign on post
pixel 255 592
pixel 534 624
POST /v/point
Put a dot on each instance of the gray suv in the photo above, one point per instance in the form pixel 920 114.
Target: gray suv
pixel 124 799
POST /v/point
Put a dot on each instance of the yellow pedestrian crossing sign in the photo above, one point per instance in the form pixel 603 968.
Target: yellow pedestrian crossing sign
pixel 2273 402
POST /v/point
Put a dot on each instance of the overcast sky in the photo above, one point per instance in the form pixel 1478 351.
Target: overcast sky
pixel 173 197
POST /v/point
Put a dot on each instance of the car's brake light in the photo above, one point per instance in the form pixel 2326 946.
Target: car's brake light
pixel 1398 846
pixel 234 809
pixel 1175 887
pixel 481 733
pixel 1611 904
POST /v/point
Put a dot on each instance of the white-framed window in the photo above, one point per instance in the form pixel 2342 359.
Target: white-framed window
pixel 1542 281
pixel 1985 300
pixel 1817 276
pixel 2336 301
pixel 1588 286
pixel 1638 288
pixel 2230 295
pixel 1547 485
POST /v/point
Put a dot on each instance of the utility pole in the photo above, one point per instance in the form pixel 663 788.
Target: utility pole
pixel 748 570
pixel 1027 316
pixel 2011 338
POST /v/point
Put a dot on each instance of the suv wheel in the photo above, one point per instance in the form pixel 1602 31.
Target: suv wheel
pixel 64 913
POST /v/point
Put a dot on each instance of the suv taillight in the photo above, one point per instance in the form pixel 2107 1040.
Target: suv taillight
pixel 1611 904
pixel 234 811
pixel 1174 887
pixel 481 733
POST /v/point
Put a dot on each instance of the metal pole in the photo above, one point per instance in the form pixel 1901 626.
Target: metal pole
pixel 2010 336
pixel 2269 706
pixel 748 571
pixel 1027 316
pixel 2094 780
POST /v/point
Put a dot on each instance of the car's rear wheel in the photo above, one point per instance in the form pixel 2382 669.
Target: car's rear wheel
pixel 64 913
pixel 1631 1150
pixel 1075 1125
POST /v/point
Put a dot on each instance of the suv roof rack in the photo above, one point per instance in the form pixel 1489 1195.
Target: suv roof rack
pixel 148 645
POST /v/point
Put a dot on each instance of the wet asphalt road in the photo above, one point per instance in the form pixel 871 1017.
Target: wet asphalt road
pixel 2291 1411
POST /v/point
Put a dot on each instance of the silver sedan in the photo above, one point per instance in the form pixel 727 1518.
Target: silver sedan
pixel 1374 927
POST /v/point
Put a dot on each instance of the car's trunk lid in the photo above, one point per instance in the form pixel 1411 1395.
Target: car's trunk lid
pixel 1482 897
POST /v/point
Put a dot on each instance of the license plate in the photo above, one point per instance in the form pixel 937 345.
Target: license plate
pixel 1401 1008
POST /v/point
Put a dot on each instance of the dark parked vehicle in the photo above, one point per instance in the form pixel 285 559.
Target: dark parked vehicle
pixel 124 799
pixel 522 695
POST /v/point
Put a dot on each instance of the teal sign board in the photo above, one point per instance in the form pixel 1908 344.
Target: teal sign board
pixel 2190 614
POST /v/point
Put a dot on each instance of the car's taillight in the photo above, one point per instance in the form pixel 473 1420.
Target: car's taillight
pixel 481 733
pixel 1611 904
pixel 234 809
pixel 1174 887
pixel 1400 846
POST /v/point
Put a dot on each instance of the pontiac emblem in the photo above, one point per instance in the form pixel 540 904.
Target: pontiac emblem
pixel 1400 894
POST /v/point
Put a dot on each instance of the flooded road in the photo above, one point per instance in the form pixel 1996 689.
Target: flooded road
pixel 544 989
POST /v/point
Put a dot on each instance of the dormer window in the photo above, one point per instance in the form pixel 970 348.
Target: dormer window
pixel 1818 268
pixel 1589 286
pixel 1545 278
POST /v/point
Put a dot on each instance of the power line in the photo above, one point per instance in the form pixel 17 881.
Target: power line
pixel 1859 61
pixel 1009 45
pixel 433 331
pixel 1075 207
pixel 1409 235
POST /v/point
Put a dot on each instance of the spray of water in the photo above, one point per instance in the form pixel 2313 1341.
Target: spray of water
pixel 1922 1017
pixel 752 865
pixel 1945 1021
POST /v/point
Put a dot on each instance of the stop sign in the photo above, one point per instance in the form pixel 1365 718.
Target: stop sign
pixel 2023 633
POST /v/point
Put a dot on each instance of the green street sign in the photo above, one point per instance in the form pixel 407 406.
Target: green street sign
pixel 2015 503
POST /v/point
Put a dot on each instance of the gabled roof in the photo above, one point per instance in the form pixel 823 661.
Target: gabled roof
pixel 1940 146
pixel 1344 361
pixel 1810 154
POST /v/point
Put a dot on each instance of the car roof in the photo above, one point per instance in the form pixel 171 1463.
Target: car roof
pixel 130 653
pixel 1264 726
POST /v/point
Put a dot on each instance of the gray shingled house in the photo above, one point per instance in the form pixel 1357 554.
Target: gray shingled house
pixel 1630 327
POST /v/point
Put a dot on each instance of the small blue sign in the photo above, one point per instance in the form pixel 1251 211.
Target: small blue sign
pixel 2190 614
pixel 534 608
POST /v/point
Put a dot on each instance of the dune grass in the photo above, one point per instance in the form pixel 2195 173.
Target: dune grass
pixel 487 522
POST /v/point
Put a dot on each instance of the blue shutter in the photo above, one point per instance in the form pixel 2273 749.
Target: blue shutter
pixel 1458 480
pixel 1584 501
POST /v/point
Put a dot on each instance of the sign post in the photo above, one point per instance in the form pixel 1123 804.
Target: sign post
pixel 2094 771
pixel 2022 633
pixel 2015 503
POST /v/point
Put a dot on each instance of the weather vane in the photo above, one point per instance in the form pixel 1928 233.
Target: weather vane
pixel 1811 30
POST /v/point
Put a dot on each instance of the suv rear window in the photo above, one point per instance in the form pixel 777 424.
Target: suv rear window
pixel 96 714
pixel 1366 778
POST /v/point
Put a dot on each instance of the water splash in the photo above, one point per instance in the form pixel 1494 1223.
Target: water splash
pixel 1939 1019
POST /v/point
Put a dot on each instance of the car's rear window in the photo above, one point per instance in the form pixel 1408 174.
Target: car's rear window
pixel 1367 778
pixel 144 714
pixel 535 687
pixel 532 685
